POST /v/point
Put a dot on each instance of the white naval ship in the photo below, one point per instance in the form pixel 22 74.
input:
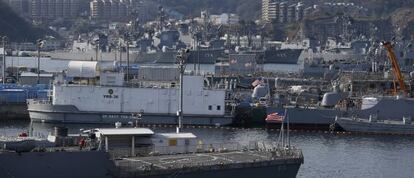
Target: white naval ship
pixel 99 95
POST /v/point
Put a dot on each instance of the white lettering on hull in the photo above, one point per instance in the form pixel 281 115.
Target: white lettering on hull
pixel 116 116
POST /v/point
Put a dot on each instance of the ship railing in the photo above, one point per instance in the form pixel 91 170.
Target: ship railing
pixel 136 167
pixel 121 152
pixel 39 101
pixel 268 149
pixel 275 149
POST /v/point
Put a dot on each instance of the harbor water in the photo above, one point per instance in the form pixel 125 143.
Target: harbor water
pixel 326 154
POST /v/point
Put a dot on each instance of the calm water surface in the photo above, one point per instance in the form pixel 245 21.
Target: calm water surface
pixel 326 155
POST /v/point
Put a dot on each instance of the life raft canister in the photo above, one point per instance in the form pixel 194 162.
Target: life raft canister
pixel 23 134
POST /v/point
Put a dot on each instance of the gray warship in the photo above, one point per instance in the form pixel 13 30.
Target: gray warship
pixel 384 107
pixel 372 125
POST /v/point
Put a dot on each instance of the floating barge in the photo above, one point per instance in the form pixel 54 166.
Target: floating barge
pixel 372 125
pixel 249 163
pixel 139 152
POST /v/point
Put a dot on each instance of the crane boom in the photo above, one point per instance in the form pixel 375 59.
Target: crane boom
pixel 395 67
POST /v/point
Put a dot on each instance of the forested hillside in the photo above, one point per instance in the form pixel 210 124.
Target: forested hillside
pixel 15 27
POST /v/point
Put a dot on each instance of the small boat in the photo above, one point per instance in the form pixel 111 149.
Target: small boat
pixel 372 125
pixel 274 118
pixel 23 143
pixel 19 144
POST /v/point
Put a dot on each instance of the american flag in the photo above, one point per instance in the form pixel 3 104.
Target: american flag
pixel 257 82
pixel 249 64
pixel 275 118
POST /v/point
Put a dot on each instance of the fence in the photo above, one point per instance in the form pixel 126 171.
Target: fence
pixel 273 149
pixel 219 161
pixel 159 150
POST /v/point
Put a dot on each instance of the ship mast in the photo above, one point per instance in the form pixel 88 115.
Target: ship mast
pixel 181 67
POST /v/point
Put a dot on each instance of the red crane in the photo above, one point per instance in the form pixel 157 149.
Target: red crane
pixel 395 68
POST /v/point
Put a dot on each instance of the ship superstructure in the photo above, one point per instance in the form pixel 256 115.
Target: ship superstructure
pixel 105 97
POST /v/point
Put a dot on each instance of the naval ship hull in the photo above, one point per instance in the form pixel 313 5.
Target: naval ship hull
pixel 98 164
pixel 75 103
pixel 380 127
pixel 276 171
pixel 390 108
pixel 240 164
pixel 63 164
pixel 46 112
pixel 309 115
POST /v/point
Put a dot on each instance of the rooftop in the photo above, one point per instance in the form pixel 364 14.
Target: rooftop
pixel 177 135
pixel 31 74
pixel 125 131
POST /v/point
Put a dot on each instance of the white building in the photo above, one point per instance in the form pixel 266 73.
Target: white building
pixel 225 19
pixel 270 10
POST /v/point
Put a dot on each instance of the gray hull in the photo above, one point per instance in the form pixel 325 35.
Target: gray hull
pixel 363 125
pixel 97 164
pixel 46 112
pixel 240 164
pixel 282 171
pixel 18 145
pixel 56 164
pixel 308 117
pixel 388 108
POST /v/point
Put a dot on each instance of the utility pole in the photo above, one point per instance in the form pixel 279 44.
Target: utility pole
pixel 97 49
pixel 4 59
pixel 115 51
pixel 181 57
pixel 120 53
pixel 40 43
pixel 127 53
pixel 126 40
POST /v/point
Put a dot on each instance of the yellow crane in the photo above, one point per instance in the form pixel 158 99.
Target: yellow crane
pixel 395 68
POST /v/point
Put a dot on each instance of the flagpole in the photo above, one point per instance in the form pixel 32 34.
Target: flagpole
pixel 288 136
pixel 283 133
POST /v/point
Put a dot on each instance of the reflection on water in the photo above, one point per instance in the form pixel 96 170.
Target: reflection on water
pixel 326 155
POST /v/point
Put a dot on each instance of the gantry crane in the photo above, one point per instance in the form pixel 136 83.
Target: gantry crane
pixel 395 68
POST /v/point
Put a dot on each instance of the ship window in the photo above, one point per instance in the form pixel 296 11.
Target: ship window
pixel 218 108
pixel 187 141
pixel 172 142
pixel 210 107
